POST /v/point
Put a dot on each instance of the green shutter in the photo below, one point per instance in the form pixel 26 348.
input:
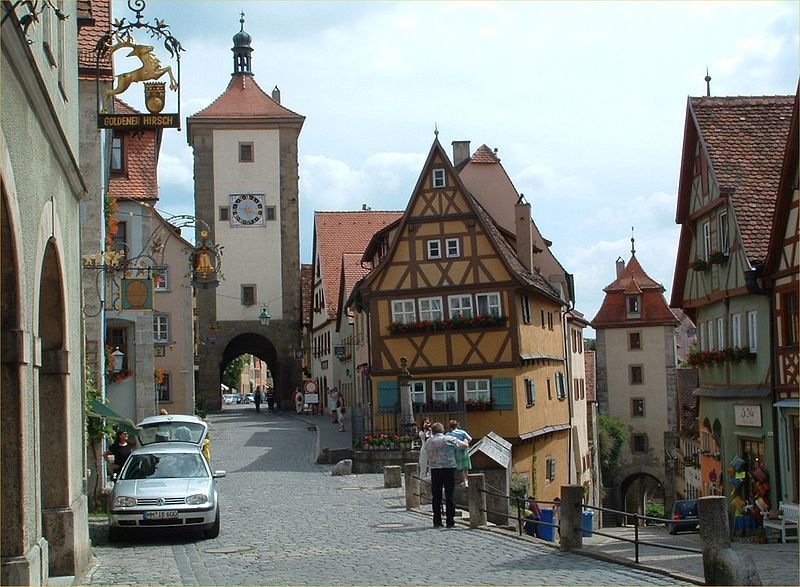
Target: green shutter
pixel 502 393
pixel 388 396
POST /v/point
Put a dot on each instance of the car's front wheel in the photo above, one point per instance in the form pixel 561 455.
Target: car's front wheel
pixel 213 530
pixel 114 534
pixel 672 529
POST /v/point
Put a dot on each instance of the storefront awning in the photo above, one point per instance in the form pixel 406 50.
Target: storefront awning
pixel 792 402
pixel 98 409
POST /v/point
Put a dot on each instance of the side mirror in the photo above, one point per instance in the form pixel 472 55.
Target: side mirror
pixel 219 474
pixel 114 477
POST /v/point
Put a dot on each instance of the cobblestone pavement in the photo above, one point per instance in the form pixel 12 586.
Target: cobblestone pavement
pixel 776 563
pixel 285 520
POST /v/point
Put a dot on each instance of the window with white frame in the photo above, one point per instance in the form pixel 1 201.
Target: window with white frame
pixel 434 249
pixel 460 306
pixel 477 390
pixel 736 330
pixel 526 309
pixel 160 328
pixel 453 247
pixel 439 178
pixel 403 311
pixel 723 232
pixel 561 391
pixel 431 309
pixel 530 392
pixel 445 390
pixel 721 333
pixel 550 466
pixel 706 240
pixel 489 304
pixel 161 279
pixel 752 331
pixel 418 392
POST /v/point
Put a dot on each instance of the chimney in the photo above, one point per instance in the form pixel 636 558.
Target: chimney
pixel 620 266
pixel 460 152
pixel 524 229
pixel 365 208
pixel 276 94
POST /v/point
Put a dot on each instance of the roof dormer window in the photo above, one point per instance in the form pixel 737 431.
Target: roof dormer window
pixel 634 306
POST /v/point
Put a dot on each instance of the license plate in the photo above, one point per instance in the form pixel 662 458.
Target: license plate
pixel 160 515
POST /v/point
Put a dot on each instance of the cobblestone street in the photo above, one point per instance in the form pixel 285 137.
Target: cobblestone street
pixel 285 520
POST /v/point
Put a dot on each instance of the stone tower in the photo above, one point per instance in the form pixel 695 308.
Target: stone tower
pixel 246 192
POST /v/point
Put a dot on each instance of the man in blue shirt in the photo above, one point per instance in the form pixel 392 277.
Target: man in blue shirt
pixel 441 451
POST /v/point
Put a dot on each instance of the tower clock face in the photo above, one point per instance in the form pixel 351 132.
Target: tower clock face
pixel 247 210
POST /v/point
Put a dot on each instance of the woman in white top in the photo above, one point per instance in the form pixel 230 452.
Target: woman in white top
pixel 424 434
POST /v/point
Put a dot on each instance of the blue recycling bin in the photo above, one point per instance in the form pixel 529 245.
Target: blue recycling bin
pixel 547 532
pixel 588 523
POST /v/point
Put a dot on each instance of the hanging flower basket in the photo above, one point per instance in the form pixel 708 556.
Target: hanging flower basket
pixel 700 265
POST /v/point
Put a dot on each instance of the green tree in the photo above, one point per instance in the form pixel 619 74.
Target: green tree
pixel 233 372
pixel 613 437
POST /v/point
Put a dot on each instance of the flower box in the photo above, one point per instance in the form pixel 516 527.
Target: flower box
pixel 700 265
pixel 482 321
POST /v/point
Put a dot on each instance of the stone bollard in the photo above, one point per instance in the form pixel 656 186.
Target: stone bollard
pixel 721 564
pixel 571 522
pixel 411 471
pixel 477 500
pixel 391 476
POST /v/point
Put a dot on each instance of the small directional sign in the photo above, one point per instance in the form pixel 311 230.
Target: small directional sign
pixel 338 351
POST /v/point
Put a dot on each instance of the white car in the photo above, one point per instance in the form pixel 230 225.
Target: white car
pixel 228 398
pixel 165 485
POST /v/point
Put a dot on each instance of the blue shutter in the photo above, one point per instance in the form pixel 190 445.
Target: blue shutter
pixel 388 396
pixel 502 393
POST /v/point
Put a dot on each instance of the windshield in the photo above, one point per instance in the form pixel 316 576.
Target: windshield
pixel 172 431
pixel 165 466
pixel 687 508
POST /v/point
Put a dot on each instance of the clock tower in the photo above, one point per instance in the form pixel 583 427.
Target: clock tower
pixel 246 192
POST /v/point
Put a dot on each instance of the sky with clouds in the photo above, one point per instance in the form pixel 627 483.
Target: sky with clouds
pixel 585 102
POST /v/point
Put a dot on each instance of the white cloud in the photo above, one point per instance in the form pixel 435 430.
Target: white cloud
pixel 176 169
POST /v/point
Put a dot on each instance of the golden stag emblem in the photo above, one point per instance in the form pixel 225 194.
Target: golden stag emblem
pixel 150 70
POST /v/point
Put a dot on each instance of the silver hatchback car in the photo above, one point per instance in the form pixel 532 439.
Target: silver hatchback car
pixel 165 485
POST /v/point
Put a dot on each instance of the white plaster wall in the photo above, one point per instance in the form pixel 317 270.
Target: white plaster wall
pixel 654 390
pixel 252 255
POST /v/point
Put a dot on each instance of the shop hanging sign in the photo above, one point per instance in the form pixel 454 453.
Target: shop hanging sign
pixel 747 416
pixel 147 75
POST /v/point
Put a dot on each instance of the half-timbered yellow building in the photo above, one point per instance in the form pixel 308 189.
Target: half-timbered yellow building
pixel 481 329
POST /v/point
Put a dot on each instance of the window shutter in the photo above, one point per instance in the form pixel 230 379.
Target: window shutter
pixel 503 393
pixel 388 396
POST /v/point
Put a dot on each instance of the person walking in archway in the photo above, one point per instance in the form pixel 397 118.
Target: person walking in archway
pixel 298 400
pixel 271 399
pixel 257 398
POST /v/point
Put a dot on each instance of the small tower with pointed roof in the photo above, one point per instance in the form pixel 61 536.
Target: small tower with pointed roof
pixel 246 193
pixel 635 378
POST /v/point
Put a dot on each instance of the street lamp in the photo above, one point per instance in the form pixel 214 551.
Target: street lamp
pixel 264 316
pixel 116 360
pixel 406 408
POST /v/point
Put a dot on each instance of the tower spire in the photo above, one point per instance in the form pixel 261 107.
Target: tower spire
pixel 633 244
pixel 242 50
pixel 708 83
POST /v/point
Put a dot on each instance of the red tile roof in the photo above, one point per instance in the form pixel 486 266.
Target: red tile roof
pixel 139 181
pixel 94 21
pixel 337 233
pixel 352 272
pixel 244 98
pixel 306 290
pixel 484 155
pixel 633 281
pixel 589 364
pixel 745 138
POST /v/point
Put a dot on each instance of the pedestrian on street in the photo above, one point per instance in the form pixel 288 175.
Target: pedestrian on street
pixel 441 451
pixel 257 398
pixel 271 399
pixel 463 462
pixel 298 400
pixel 333 404
pixel 118 452
pixel 533 514
pixel 557 515
pixel 424 434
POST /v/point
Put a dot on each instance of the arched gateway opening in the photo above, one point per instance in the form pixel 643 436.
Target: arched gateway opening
pixel 641 493
pixel 252 344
